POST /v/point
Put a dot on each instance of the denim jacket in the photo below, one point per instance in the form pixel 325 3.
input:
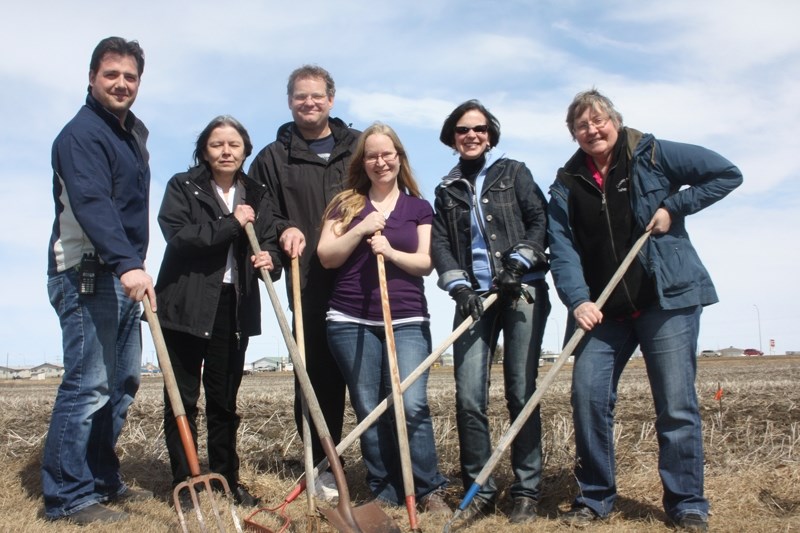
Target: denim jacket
pixel 683 179
pixel 514 220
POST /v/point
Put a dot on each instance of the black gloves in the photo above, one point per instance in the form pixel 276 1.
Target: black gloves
pixel 509 279
pixel 468 302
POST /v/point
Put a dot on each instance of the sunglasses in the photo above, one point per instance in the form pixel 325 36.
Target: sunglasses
pixel 463 130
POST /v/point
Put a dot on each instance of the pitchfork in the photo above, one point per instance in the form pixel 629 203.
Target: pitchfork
pixel 196 482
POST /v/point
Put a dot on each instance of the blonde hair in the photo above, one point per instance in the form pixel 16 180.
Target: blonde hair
pixel 350 202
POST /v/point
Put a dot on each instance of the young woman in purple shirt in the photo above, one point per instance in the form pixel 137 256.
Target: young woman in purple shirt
pixel 381 195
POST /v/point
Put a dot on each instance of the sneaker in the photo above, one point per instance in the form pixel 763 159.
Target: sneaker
pixel 132 495
pixel 243 497
pixel 477 509
pixel 691 521
pixel 97 513
pixel 434 503
pixel 524 510
pixel 325 487
pixel 579 516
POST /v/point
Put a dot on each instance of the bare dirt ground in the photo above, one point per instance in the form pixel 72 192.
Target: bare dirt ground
pixel 752 442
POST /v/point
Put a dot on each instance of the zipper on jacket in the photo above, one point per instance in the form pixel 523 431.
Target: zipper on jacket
pixel 474 195
pixel 607 216
pixel 604 210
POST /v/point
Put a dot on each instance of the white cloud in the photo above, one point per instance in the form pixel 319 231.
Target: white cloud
pixel 721 74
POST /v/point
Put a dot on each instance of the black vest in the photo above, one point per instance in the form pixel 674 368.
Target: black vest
pixel 604 231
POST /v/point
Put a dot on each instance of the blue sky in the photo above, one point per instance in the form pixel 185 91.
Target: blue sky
pixel 722 74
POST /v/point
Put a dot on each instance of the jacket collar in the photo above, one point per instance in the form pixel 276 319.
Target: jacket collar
pixel 110 118
pixel 629 136
pixel 200 176
pixel 289 137
pixel 455 173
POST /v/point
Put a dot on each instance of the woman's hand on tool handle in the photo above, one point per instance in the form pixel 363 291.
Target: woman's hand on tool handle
pixel 262 260
pixel 660 223
pixel 587 315
pixel 244 214
pixel 380 246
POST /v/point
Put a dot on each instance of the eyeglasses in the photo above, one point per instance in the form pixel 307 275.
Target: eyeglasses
pixel 388 157
pixel 463 130
pixel 317 98
pixel 597 122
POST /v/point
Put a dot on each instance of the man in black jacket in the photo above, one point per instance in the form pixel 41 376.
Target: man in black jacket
pixel 303 169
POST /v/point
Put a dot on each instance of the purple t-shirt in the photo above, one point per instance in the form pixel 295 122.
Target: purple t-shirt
pixel 356 291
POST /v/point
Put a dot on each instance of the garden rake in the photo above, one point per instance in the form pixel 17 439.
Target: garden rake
pixel 280 511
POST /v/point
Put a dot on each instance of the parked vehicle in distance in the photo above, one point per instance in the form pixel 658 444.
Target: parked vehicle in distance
pixel 710 353
pixel 753 351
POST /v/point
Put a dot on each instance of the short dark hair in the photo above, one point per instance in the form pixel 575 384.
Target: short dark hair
pixel 216 122
pixel 311 71
pixel 448 134
pixel 117 45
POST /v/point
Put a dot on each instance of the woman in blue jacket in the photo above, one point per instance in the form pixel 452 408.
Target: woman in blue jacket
pixel 619 184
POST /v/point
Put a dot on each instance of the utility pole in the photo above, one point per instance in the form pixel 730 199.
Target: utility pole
pixel 758 316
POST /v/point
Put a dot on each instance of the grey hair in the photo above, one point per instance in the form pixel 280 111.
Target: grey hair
pixel 591 99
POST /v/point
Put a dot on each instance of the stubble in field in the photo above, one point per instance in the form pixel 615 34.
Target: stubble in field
pixel 752 445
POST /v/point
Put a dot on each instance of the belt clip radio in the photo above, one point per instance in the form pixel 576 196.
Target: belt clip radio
pixel 88 274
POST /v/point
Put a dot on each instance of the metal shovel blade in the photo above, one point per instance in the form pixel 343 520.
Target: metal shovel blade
pixel 369 518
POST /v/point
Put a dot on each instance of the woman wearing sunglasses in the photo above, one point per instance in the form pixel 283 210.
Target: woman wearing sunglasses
pixel 489 234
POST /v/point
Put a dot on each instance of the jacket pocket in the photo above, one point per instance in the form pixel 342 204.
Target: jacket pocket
pixel 502 192
pixel 678 271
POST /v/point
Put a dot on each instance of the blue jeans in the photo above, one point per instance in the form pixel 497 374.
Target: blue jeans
pixel 523 326
pixel 102 366
pixel 668 340
pixel 361 354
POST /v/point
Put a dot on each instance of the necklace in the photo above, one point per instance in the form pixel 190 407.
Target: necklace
pixel 387 205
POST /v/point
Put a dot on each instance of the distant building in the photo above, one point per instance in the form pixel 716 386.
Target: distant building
pixel 265 364
pixel 46 370
pixel 150 369
pixel 7 373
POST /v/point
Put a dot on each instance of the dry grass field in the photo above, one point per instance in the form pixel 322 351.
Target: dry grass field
pixel 752 440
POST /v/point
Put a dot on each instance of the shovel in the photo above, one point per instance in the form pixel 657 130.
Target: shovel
pixel 381 408
pixel 196 482
pixel 534 401
pixel 367 518
pixel 397 396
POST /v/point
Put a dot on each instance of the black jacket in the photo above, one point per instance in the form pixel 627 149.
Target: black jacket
pixel 300 184
pixel 514 219
pixel 198 235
